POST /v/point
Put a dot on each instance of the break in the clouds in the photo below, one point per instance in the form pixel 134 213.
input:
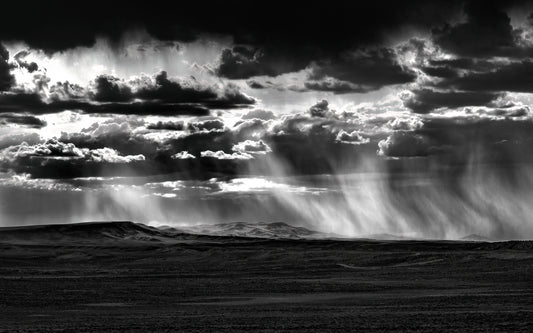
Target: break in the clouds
pixel 143 95
pixel 273 110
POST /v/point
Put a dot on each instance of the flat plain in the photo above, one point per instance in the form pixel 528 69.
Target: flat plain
pixel 127 277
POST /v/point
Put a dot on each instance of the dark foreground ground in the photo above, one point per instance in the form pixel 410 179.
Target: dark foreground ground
pixel 213 284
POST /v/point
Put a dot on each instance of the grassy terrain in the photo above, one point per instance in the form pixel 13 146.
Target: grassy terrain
pixel 238 284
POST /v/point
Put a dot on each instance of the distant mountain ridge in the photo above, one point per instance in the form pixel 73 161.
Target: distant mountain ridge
pixel 476 238
pixel 256 230
pixel 129 232
pixel 81 232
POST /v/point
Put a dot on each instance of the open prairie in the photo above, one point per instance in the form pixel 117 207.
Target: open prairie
pixel 125 276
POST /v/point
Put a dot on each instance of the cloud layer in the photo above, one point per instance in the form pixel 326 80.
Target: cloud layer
pixel 236 99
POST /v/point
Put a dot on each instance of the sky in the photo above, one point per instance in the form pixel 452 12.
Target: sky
pixel 356 118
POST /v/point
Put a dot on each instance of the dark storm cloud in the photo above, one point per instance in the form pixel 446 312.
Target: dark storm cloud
pixel 22 102
pixel 123 145
pixel 29 66
pixel 168 155
pixel 270 38
pixel 320 109
pixel 291 44
pixel 207 147
pixel 255 84
pixel 116 134
pixel 464 63
pixel 110 89
pixel 167 125
pixel 334 86
pixel 405 144
pixel 453 141
pixel 33 103
pixel 270 84
pixel 206 125
pixel 311 145
pixel 276 23
pixel 106 150
pixel 136 108
pixel 342 43
pixel 491 58
pixel 440 71
pixel 357 71
pixel 454 68
pixel 427 100
pixel 343 48
pixel 111 95
pixel 7 80
pixel 66 91
pixel 487 32
pixel 508 112
pixel 368 69
pixel 23 120
pixel 243 63
pixel 515 77
pixel 503 142
pixel 308 144
pixel 166 90
pixel 174 92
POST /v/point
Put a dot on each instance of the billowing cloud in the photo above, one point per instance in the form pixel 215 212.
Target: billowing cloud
pixel 167 125
pixel 405 124
pixel 64 91
pixel 404 144
pixel 353 137
pixel 22 63
pixel 63 160
pixel 190 91
pixel 157 95
pixel 221 155
pixel 487 32
pixel 259 114
pixel 252 147
pixel 427 100
pixel 206 125
pixel 183 155
pixel 320 109
pixel 111 89
pixel 162 89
